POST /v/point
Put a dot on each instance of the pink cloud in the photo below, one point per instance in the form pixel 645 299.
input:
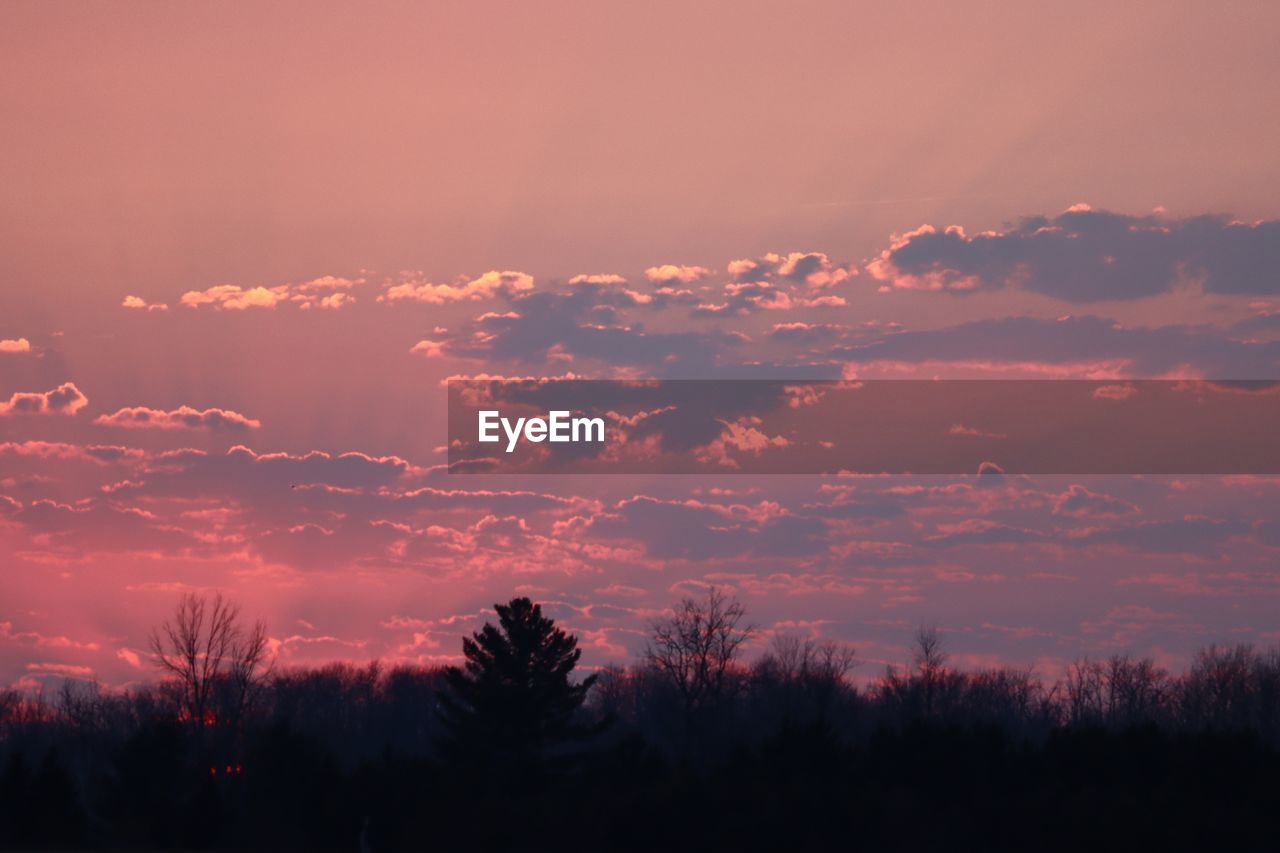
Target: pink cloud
pixel 66 399
pixel 183 417
pixel 102 454
pixel 598 278
pixel 1115 392
pixel 329 283
pixel 327 291
pixel 333 301
pixel 962 429
pixel 486 286
pixel 1079 502
pixel 44 641
pixel 674 274
pixel 232 297
pixel 429 349
pixel 64 670
pixel 140 304
pixel 812 269
pixel 744 436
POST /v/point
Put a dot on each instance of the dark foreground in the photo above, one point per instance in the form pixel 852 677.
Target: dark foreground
pixel 922 788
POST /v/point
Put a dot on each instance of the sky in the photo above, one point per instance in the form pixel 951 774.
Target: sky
pixel 243 246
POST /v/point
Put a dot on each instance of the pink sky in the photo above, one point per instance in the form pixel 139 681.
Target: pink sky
pixel 338 208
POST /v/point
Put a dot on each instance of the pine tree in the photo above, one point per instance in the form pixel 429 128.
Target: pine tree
pixel 512 699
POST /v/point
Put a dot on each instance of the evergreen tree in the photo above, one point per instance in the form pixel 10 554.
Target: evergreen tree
pixel 513 699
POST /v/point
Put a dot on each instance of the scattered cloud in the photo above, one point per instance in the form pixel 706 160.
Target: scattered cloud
pixel 487 286
pixel 140 304
pixel 599 278
pixel 326 292
pixel 672 274
pixel 15 346
pixel 66 399
pixel 183 417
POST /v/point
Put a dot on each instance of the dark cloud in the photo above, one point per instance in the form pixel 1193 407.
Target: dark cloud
pixel 584 323
pixel 1079 502
pixel 1090 339
pixel 1090 255
pixel 1204 537
pixel 698 531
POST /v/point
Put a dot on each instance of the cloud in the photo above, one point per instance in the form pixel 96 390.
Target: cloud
pixel 774 282
pixel 744 436
pixel 598 278
pixel 326 292
pixel 140 304
pixel 37 639
pixel 1122 391
pixel 811 269
pixel 428 349
pixel 333 301
pixel 327 284
pixel 671 274
pixel 582 322
pixel 492 283
pixel 15 346
pixel 232 297
pixel 694 530
pixel 242 471
pixel 1079 502
pixel 1089 343
pixel 101 525
pixel 1085 255
pixel 183 417
pixel 1205 537
pixel 66 399
pixel 103 454
pixel 973 432
pixel 747 298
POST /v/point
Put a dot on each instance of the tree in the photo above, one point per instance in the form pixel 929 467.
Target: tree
pixel 695 648
pixel 513 698
pixel 931 661
pixel 805 672
pixel 217 663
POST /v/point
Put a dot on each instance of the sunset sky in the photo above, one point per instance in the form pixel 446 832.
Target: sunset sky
pixel 243 245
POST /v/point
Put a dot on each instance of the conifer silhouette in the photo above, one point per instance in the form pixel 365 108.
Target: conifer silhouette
pixel 513 699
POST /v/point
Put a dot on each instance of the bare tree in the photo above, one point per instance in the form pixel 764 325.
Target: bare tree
pixel 931 662
pixel 1137 690
pixel 1085 693
pixel 695 648
pixel 1218 690
pixel 1120 691
pixel 804 671
pixel 929 656
pixel 792 658
pixel 217 663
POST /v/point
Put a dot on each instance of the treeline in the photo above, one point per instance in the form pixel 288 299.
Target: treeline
pixel 692 746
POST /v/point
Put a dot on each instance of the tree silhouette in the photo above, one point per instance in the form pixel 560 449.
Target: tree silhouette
pixel 696 647
pixel 513 699
pixel 216 663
